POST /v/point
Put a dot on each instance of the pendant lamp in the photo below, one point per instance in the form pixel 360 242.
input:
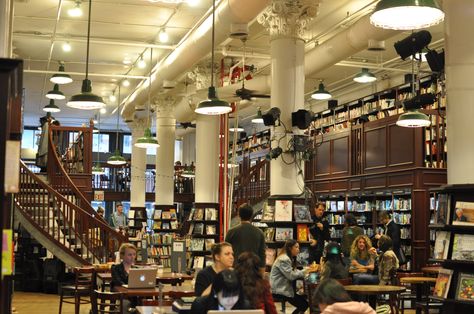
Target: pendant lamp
pixel 55 93
pixel 212 105
pixel 188 172
pixel 365 76
pixel 86 100
pixel 148 141
pixel 413 119
pixel 97 169
pixel 117 159
pixel 406 14
pixel 258 118
pixel 321 93
pixel 61 77
pixel 51 107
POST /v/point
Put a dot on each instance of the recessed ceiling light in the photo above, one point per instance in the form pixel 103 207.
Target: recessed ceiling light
pixel 76 11
pixel 125 83
pixel 67 47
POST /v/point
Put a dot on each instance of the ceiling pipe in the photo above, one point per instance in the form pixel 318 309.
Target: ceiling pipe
pixel 196 46
pixel 121 76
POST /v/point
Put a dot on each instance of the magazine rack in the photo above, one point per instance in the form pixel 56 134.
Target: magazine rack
pixel 454 236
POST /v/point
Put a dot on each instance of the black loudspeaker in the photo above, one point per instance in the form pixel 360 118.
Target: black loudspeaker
pixel 419 101
pixel 301 119
pixel 332 103
pixel 435 60
pixel 412 44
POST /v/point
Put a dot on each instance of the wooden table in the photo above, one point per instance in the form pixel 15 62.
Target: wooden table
pixel 172 291
pixel 155 309
pixel 431 270
pixel 374 290
pixel 421 284
pixel 164 278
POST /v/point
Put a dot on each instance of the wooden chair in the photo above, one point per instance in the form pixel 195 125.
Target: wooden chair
pixel 80 292
pixel 107 302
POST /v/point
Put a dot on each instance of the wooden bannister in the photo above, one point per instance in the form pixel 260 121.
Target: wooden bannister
pixel 250 186
pixel 81 234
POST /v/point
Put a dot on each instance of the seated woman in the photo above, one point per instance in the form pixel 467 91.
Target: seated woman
pixel 283 275
pixel 256 289
pixel 332 298
pixel 226 294
pixel 387 260
pixel 128 253
pixel 332 265
pixel 223 258
pixel 362 261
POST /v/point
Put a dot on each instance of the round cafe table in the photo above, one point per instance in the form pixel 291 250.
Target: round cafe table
pixel 421 285
pixel 431 270
pixel 371 291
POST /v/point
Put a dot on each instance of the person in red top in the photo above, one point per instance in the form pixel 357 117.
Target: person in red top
pixel 256 288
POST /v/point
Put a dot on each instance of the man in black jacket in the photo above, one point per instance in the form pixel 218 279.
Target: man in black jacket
pixel 319 233
pixel 392 230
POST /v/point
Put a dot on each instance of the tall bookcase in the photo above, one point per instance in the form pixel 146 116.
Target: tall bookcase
pixel 204 231
pixel 454 229
pixel 165 228
pixel 137 223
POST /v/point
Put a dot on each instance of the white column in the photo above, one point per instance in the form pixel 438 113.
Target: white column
pixel 189 148
pixel 6 22
pixel 165 130
pixel 138 167
pixel 286 21
pixel 207 159
pixel 460 90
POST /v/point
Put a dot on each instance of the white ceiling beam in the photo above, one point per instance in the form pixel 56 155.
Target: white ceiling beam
pixel 122 76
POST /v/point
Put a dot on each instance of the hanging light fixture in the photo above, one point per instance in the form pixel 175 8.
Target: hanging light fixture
pixel 61 77
pixel 163 36
pixel 97 169
pixel 321 93
pixel 406 14
pixel 188 172
pixel 258 119
pixel 76 11
pixel 51 107
pixel 117 159
pixel 86 100
pixel 148 141
pixel 365 76
pixel 213 105
pixel 55 93
pixel 238 128
pixel 413 119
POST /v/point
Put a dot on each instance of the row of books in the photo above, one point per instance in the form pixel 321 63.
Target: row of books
pixel 400 204
pixel 198 228
pixel 160 238
pixel 171 225
pixel 283 234
pixel 200 244
pixel 463 246
pixel 203 214
pixel 401 218
pixel 284 210
pixel 199 262
pixel 461 214
pixel 137 214
pixel 165 214
pixel 464 289
pixel 159 251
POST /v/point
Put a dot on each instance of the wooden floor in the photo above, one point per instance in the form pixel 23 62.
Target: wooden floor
pixel 32 302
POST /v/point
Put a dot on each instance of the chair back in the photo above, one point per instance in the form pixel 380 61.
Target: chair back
pixel 85 278
pixel 107 302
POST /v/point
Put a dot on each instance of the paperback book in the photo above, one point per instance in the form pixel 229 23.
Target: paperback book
pixel 131 214
pixel 199 214
pixel 211 214
pixel 464 214
pixel 269 234
pixel 210 229
pixel 442 283
pixel 209 243
pixel 173 213
pixel 270 256
pixel 268 212
pixel 198 228
pixel 301 213
pixel 198 262
pixel 283 234
pixel 197 245
pixel 302 232
pixel 303 256
pixel 283 210
pixel 441 245
pixel 465 288
pixel 441 209
pixel 166 215
pixel 463 247
pixel 157 214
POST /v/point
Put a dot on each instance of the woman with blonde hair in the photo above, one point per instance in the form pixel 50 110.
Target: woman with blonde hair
pixel 363 261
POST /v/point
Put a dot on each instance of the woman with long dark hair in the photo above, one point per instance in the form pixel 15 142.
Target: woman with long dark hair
pixel 256 288
pixel 332 265
pixel 283 275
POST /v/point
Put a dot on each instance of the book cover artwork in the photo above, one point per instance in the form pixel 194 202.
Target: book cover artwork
pixel 283 210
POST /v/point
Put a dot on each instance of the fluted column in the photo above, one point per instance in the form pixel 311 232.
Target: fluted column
pixel 286 21
pixel 165 130
pixel 138 167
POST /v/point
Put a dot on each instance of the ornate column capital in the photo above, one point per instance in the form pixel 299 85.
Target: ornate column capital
pixel 288 18
pixel 164 106
pixel 138 126
pixel 201 75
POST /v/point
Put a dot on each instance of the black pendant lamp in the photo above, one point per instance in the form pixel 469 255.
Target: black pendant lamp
pixel 61 77
pixel 117 159
pixel 86 100
pixel 212 105
pixel 51 107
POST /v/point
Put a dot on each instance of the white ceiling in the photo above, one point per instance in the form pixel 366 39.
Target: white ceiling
pixel 123 28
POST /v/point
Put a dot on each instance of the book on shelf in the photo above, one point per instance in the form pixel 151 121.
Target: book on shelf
pixel 283 210
pixel 270 256
pixel 173 214
pixel 191 214
pixel 303 256
pixel 191 229
pixel 140 214
pixel 340 205
pixel 463 247
pixel 165 225
pixel 208 243
pixel 131 214
pixel 442 283
pixel 210 229
pixel 465 288
pixel 174 224
pixel 441 209
pixel 269 234
pixel 268 212
pixel 210 214
pixel 198 262
pixel 157 214
pixel 302 232
pixel 199 214
pixel 283 234
pixel 441 244
pixel 464 214
pixel 332 206
pixel 166 215
pixel 198 228
pixel 301 213
pixel 131 223
pixel 197 244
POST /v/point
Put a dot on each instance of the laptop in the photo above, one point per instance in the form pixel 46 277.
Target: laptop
pixel 141 278
pixel 236 312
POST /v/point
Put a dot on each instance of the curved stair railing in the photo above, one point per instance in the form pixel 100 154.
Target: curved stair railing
pixel 81 235
pixel 253 186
